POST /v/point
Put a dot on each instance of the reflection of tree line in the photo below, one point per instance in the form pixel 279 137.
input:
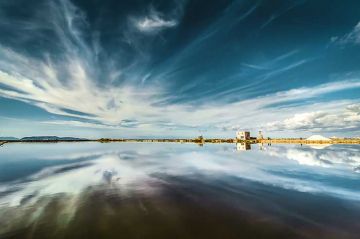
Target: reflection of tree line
pixel 198 140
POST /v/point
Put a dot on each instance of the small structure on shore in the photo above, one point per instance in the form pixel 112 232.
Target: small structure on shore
pixel 200 140
pixel 243 135
pixel 319 144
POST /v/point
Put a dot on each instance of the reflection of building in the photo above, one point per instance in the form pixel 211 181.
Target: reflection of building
pixel 243 135
pixel 242 147
pixel 108 175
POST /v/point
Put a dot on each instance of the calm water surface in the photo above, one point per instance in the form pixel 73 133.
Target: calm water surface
pixel 134 190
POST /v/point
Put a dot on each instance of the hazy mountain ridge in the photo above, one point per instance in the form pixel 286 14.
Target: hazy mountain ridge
pixel 41 138
pixel 8 138
pixel 49 138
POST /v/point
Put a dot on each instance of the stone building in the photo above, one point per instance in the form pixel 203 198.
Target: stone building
pixel 243 135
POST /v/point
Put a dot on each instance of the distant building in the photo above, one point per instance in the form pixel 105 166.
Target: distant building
pixel 243 135
pixel 200 140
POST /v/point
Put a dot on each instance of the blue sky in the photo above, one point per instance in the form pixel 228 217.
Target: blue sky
pixel 179 68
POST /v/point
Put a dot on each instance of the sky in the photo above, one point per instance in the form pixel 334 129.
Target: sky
pixel 179 68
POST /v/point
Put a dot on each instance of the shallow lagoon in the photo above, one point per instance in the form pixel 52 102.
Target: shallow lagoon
pixel 154 190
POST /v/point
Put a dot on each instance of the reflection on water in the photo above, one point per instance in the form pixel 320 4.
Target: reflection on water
pixel 243 146
pixel 133 190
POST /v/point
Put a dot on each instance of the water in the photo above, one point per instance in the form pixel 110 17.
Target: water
pixel 153 190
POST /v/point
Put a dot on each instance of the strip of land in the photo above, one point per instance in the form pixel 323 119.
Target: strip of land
pixel 199 140
pixel 305 141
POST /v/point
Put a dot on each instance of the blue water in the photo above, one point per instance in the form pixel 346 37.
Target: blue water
pixel 169 190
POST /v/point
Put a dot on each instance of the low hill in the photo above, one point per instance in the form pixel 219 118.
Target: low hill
pixel 50 138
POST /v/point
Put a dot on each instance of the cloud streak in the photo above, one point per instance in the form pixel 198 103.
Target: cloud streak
pixel 352 37
pixel 154 23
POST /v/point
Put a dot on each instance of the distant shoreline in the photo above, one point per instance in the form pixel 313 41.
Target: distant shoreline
pixel 196 141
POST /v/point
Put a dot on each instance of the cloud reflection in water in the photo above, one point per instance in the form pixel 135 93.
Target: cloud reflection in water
pixel 126 170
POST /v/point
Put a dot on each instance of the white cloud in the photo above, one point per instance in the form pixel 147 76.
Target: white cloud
pixel 81 124
pixel 351 38
pixel 345 119
pixel 154 23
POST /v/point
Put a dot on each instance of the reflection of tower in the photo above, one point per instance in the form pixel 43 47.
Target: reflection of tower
pixel 260 135
pixel 200 140
pixel 108 175
pixel 261 146
pixel 242 146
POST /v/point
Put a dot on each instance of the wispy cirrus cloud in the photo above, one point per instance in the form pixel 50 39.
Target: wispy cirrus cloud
pixel 112 107
pixel 352 37
pixel 154 23
pixel 68 83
